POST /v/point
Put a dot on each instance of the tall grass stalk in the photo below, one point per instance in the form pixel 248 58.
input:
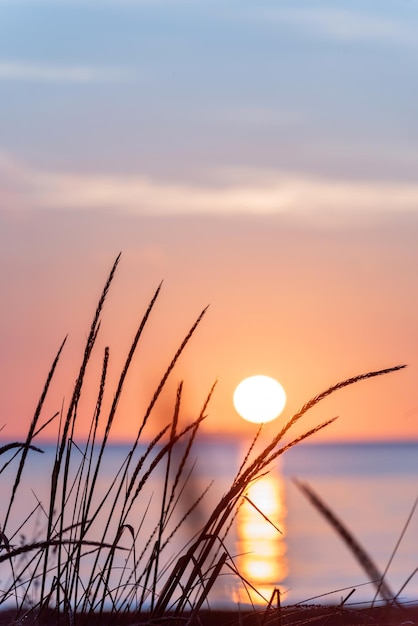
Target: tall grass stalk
pixel 91 553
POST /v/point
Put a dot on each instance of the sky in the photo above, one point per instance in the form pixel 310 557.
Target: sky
pixel 259 158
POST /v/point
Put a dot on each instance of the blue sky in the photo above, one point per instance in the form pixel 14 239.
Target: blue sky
pixel 183 89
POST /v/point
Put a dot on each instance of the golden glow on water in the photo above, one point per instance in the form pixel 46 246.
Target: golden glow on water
pixel 261 546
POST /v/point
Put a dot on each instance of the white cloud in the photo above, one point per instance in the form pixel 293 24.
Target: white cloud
pixel 59 73
pixel 238 192
pixel 341 24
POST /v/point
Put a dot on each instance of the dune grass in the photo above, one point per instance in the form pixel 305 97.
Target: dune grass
pixel 84 530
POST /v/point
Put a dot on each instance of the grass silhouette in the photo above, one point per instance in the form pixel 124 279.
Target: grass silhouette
pixel 129 578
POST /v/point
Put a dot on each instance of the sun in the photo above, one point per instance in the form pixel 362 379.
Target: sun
pixel 259 399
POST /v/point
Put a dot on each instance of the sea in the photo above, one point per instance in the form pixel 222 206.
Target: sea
pixel 280 540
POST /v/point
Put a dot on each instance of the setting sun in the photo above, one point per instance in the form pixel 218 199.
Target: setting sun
pixel 259 399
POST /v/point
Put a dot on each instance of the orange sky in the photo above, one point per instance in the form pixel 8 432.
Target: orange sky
pixel 260 158
pixel 307 304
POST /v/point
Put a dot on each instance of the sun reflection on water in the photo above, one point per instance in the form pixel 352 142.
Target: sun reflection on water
pixel 261 542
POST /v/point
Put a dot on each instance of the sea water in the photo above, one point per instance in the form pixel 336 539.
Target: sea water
pixel 370 488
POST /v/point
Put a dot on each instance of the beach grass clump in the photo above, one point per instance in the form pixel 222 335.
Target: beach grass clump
pixel 91 557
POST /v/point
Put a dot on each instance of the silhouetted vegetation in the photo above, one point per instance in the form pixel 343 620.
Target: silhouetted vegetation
pixel 92 562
